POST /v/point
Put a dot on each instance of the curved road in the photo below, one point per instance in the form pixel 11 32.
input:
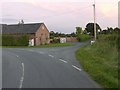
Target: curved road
pixel 44 68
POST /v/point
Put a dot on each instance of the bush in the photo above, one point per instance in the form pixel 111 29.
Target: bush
pixel 112 39
pixel 55 41
pixel 14 40
pixel 23 40
pixel 7 40
pixel 83 37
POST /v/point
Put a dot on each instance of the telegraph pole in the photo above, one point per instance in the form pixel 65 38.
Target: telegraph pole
pixel 119 14
pixel 94 12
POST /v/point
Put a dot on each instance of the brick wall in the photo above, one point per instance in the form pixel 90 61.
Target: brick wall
pixel 42 35
pixel 71 39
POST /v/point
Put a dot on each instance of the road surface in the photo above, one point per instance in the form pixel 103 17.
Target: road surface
pixel 44 68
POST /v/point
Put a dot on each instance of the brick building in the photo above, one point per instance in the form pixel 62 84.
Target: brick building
pixel 37 32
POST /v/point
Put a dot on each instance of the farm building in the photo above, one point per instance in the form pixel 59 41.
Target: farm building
pixel 37 32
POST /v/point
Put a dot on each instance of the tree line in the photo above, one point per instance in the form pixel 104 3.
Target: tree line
pixel 58 34
pixel 80 34
pixel 85 34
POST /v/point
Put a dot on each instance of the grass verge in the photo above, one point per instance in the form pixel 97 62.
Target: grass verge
pixel 42 46
pixel 100 61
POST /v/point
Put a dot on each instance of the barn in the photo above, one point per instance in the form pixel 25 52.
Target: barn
pixel 37 32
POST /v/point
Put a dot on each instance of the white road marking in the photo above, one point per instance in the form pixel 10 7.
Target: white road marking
pixel 31 50
pixel 76 68
pixel 17 56
pixel 41 52
pixel 22 77
pixel 22 49
pixel 63 60
pixel 51 56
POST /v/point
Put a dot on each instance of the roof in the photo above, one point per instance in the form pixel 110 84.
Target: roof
pixel 20 28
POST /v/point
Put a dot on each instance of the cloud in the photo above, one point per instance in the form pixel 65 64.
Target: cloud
pixel 62 16
pixel 36 1
pixel 23 10
pixel 107 10
pixel 43 9
pixel 8 20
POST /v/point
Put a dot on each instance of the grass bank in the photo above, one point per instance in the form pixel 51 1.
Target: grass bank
pixel 100 60
pixel 42 46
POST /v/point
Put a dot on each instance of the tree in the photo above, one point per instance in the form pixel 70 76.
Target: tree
pixel 52 34
pixel 73 34
pixel 85 32
pixel 78 32
pixel 90 28
pixel 110 29
pixel 117 29
pixel 57 34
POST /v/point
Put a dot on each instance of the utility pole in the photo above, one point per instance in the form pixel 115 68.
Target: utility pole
pixel 119 14
pixel 94 12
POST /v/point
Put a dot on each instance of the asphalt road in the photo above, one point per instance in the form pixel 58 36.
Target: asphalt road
pixel 44 68
pixel 0 68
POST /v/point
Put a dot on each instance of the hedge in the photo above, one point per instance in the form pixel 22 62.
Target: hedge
pixel 15 40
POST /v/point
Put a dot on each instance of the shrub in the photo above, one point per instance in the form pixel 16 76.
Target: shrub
pixel 56 40
pixel 14 40
pixel 84 37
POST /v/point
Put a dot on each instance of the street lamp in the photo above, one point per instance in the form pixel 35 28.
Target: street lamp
pixel 94 12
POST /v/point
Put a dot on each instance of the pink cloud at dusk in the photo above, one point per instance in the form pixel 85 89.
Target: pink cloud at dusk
pixel 67 14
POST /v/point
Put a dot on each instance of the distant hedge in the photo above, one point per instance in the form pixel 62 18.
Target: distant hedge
pixel 14 40
pixel 83 37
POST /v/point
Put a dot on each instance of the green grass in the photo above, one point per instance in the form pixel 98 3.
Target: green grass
pixel 100 61
pixel 55 45
pixel 42 46
pixel 84 37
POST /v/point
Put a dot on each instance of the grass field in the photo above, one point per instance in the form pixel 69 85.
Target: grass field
pixel 100 60
pixel 42 46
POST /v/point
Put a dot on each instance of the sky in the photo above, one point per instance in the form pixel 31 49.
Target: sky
pixel 60 15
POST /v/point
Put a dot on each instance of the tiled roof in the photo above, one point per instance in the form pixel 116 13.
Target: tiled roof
pixel 20 28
